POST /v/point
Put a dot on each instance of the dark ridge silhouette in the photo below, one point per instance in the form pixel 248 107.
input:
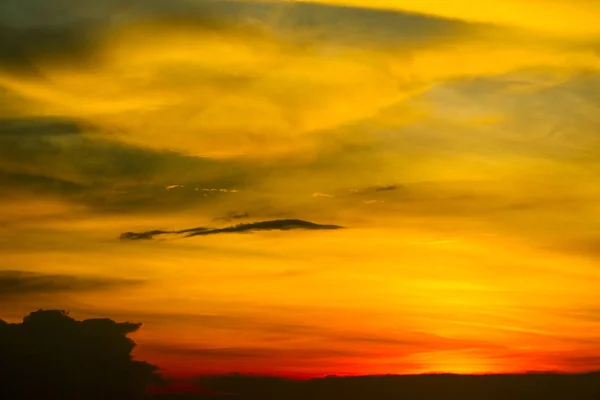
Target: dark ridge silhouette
pixel 53 356
pixel 279 224
pixel 526 386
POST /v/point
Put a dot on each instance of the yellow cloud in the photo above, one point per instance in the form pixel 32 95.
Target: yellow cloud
pixel 221 95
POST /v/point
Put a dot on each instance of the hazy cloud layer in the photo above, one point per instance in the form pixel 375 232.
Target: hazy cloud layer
pixel 14 284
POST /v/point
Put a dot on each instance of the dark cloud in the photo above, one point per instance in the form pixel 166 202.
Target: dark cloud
pixel 233 216
pixel 376 189
pixel 22 48
pixel 67 32
pixel 38 184
pixel 350 26
pixel 142 235
pixel 22 283
pixel 386 188
pixel 53 356
pixel 38 126
pixel 279 225
pixel 32 31
pixel 52 156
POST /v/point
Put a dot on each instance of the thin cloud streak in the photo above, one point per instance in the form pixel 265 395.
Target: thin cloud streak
pixel 278 225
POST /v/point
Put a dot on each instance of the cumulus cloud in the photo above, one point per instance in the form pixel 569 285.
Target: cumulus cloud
pixel 51 355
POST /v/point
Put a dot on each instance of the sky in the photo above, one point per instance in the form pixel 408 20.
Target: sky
pixel 417 182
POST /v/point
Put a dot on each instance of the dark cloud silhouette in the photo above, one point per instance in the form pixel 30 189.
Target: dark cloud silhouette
pixel 192 231
pixel 279 225
pixel 233 216
pixel 376 189
pixel 386 188
pixel 22 48
pixel 39 184
pixel 142 235
pixel 22 283
pixel 526 386
pixel 34 32
pixel 54 156
pixel 53 356
pixel 38 126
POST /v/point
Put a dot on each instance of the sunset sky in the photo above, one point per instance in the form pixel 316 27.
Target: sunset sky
pixel 456 142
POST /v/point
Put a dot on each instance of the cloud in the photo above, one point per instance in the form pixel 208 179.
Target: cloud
pixel 140 88
pixel 38 126
pixel 23 284
pixel 22 48
pixel 33 34
pixel 280 225
pixel 386 188
pixel 370 64
pixel 144 235
pixel 65 158
pixel 233 216
pixel 52 355
pixel 558 17
pixel 375 189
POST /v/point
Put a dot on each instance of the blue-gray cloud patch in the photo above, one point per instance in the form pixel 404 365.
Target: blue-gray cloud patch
pixel 71 32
